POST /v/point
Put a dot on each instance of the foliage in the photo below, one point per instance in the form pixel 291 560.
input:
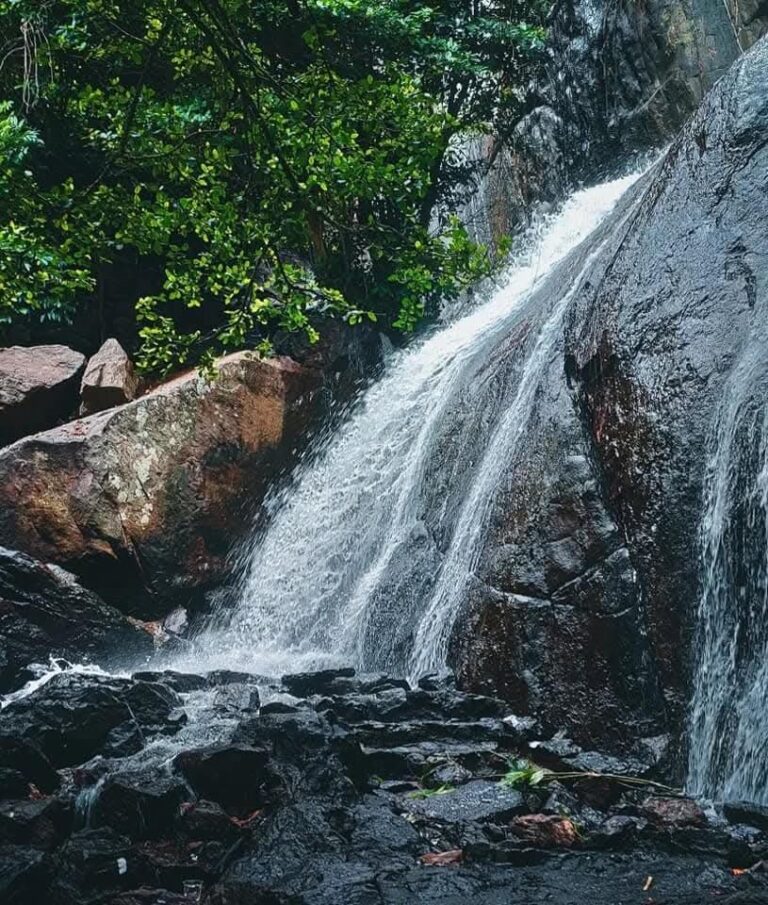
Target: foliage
pixel 523 774
pixel 272 163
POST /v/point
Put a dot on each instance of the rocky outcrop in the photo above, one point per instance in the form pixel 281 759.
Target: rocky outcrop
pixel 45 613
pixel 619 77
pixel 109 379
pixel 333 798
pixel 144 501
pixel 38 387
pixel 591 570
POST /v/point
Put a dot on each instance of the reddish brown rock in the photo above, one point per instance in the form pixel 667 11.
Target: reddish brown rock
pixel 38 387
pixel 144 501
pixel 109 379
pixel 673 812
pixel 545 830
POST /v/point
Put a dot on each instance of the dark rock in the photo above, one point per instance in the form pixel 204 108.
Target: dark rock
pixel 44 612
pixel 207 820
pixel 138 805
pixel 235 776
pixel 304 684
pixel 617 832
pixel 109 379
pixel 13 783
pixel 673 813
pixel 479 800
pixel 747 812
pixel 278 707
pixel 450 774
pixel 38 388
pixel 74 717
pixel 219 677
pixel 94 862
pixel 545 830
pixel 24 875
pixel 180 682
pixel 42 823
pixel 588 581
pixel 437 682
pixel 27 759
pixel 148 896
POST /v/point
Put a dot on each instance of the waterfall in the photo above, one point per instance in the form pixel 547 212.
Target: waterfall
pixel 370 549
pixel 728 756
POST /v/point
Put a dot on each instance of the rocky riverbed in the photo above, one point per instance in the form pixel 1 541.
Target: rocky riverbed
pixel 331 788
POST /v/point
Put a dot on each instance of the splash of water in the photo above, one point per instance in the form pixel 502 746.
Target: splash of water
pixel 367 557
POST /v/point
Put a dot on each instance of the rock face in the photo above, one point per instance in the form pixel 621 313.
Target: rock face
pixel 619 77
pixel 109 379
pixel 590 573
pixel 145 500
pixel 45 613
pixel 38 387
pixel 287 804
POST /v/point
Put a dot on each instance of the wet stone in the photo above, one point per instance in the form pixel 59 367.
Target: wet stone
pixel 479 800
pixel 235 776
pixel 304 684
pixel 180 682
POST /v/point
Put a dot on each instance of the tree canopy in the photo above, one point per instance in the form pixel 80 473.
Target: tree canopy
pixel 268 164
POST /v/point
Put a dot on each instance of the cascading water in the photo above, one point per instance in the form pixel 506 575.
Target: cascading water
pixel 368 556
pixel 729 733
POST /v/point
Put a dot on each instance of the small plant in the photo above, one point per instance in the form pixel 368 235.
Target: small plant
pixel 523 774
pixel 420 794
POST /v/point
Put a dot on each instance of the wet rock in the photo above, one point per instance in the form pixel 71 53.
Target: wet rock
pixel 450 775
pixel 478 800
pixel 94 862
pixel 545 830
pixel 145 500
pixel 26 759
pixel 617 832
pixel 44 612
pixel 235 776
pixel 38 387
pixel 24 875
pixel 149 896
pixel 180 682
pixel 588 581
pixel 673 813
pixel 13 784
pixel 74 717
pixel 109 379
pixel 141 805
pixel 748 813
pixel 42 823
pixel 207 820
pixel 218 677
pixel 437 682
pixel 302 685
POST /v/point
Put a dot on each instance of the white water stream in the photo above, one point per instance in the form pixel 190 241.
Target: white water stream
pixel 367 558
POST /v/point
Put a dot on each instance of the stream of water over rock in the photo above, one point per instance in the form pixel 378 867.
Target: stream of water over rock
pixel 729 732
pixel 368 556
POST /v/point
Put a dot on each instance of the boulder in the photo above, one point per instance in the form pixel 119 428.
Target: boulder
pixel 38 387
pixel 75 717
pixel 234 776
pixel 545 830
pixel 109 379
pixel 45 613
pixel 144 501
